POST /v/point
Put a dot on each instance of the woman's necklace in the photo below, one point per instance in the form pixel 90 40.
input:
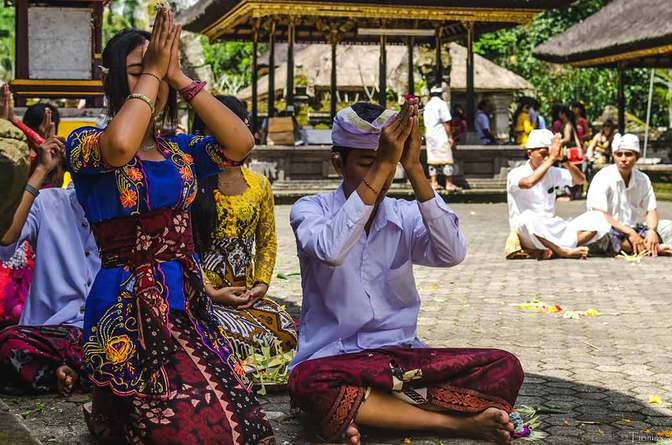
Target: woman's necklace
pixel 148 147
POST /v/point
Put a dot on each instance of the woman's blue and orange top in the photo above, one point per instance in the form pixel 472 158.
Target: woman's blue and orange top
pixel 105 192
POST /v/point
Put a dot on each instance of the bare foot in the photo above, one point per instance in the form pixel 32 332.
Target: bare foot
pixel 492 424
pixel 576 252
pixel 546 254
pixel 665 250
pixel 352 435
pixel 66 378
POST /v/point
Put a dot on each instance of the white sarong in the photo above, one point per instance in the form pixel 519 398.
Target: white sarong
pixel 531 226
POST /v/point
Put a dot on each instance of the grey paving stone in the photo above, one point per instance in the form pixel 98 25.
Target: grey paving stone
pixel 600 369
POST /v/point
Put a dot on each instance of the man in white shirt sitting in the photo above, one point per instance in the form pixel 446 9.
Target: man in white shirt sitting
pixel 359 361
pixel 625 195
pixel 531 199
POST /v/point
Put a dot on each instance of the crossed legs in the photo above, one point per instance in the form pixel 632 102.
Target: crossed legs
pixel 382 410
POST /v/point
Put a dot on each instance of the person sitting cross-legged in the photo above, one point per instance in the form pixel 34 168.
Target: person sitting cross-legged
pixel 359 361
pixel 44 352
pixel 531 199
pixel 626 197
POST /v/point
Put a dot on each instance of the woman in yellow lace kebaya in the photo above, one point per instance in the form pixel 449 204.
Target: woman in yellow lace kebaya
pixel 234 231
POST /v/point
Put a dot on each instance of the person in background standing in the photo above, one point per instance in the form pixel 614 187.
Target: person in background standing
pixel 439 139
pixel 572 144
pixel 581 122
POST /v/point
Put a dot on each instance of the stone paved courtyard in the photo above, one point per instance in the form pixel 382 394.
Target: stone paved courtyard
pixel 591 379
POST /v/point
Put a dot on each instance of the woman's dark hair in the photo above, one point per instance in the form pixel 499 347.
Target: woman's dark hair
pixel 458 111
pixel 581 107
pixel 482 104
pixel 35 113
pixel 116 83
pixel 204 209
pixel 567 112
pixel 609 123
pixel 232 103
pixel 572 119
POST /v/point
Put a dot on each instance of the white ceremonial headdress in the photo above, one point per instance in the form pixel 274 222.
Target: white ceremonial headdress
pixel 627 141
pixel 539 139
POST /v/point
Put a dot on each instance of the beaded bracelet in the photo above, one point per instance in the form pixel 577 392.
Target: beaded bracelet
pixel 190 91
pixel 143 98
pixel 32 190
pixel 366 183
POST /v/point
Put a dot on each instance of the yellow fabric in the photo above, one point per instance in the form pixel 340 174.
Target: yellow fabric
pixel 523 129
pixel 243 221
pixel 514 251
pixel 66 180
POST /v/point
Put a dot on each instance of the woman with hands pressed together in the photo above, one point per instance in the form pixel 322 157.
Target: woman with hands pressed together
pixel 161 365
pixel 233 221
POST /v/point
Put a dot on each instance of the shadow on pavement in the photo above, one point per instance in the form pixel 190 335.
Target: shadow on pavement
pixel 570 413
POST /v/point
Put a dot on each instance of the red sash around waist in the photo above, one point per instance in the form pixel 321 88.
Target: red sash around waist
pixel 139 242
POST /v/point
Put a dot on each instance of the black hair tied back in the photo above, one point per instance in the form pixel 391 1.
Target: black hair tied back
pixel 116 80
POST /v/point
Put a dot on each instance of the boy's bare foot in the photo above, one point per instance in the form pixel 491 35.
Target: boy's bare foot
pixel 66 377
pixel 492 424
pixel 352 434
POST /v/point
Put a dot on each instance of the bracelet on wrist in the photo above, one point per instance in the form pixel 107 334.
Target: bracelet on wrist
pixel 32 190
pixel 370 187
pixel 190 91
pixel 142 98
pixel 147 73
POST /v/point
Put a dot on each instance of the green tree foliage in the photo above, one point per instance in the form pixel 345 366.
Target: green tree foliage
pixel 231 64
pixel 6 42
pixel 596 88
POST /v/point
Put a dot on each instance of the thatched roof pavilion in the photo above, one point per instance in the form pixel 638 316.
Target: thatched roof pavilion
pixel 409 22
pixel 625 32
pixel 235 19
pixel 358 68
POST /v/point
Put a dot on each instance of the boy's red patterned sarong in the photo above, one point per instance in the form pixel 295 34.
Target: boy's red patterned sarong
pixel 466 381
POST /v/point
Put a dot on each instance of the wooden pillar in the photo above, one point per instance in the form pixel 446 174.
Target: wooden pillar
pixel 621 99
pixel 332 85
pixel 470 108
pixel 438 74
pixel 21 46
pixel 382 73
pixel 255 80
pixel 97 50
pixel 289 99
pixel 411 79
pixel 271 72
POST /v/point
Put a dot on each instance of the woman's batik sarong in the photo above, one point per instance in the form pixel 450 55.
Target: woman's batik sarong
pixel 466 381
pixel 265 325
pixel 208 406
pixel 30 355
